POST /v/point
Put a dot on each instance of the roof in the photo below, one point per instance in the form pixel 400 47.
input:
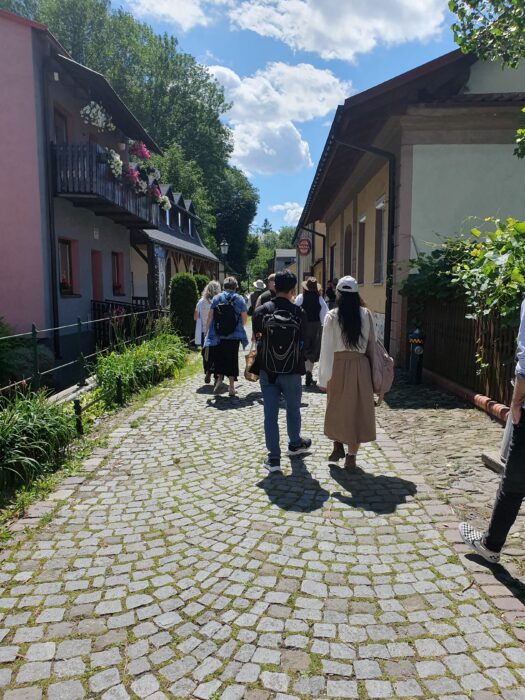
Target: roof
pixel 180 242
pixel 362 116
pixel 102 92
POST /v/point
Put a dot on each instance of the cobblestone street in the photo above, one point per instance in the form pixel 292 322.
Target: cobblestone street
pixel 180 569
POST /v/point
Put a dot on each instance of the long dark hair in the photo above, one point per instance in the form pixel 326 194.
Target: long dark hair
pixel 349 316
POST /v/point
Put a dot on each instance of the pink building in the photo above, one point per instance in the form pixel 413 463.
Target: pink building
pixel 78 234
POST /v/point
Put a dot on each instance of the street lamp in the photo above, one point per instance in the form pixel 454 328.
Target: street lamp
pixel 224 246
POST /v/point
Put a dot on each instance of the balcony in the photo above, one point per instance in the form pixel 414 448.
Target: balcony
pixel 82 177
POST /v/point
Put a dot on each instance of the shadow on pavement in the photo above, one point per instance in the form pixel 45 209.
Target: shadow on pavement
pixel 223 402
pixel 297 491
pixel 411 396
pixel 515 586
pixel 380 494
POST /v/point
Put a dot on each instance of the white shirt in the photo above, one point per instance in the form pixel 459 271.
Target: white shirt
pixel 520 354
pixel 201 324
pixel 322 304
pixel 332 342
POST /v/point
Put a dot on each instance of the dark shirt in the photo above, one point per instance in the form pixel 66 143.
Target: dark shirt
pixel 330 293
pixel 283 305
pixel 312 306
pixel 268 295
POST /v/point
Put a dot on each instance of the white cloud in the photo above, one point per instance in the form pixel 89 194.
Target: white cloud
pixel 338 29
pixel 268 105
pixel 292 211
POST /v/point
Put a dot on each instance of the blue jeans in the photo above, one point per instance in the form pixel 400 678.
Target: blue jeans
pixel 289 386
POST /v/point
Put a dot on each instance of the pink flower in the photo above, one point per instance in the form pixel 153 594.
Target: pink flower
pixel 138 149
pixel 132 175
pixel 155 192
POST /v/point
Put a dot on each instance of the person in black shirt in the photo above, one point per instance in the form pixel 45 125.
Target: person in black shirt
pixel 330 293
pixel 289 385
pixel 315 306
pixel 269 294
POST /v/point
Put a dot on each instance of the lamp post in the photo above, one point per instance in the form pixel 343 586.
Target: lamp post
pixel 224 248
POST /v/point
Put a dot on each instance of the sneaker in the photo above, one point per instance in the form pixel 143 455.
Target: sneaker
pixel 474 539
pixel 308 380
pixel 300 449
pixel 272 465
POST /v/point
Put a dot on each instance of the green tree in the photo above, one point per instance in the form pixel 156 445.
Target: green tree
pixel 493 30
pixel 183 299
pixel 285 237
pixel 236 210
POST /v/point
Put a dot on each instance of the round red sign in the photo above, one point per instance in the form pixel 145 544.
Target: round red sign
pixel 304 246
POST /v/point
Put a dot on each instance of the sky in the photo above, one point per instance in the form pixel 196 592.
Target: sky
pixel 286 65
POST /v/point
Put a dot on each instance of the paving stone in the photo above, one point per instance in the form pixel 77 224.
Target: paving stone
pixel 23 694
pixel 103 680
pixel 342 689
pixel 66 690
pixel 34 671
pixel 145 685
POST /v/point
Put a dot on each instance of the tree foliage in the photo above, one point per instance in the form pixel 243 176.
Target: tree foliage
pixel 487 269
pixel 268 240
pixel 493 30
pixel 183 299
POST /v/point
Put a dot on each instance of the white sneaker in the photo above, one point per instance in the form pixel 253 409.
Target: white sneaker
pixel 272 465
pixel 474 539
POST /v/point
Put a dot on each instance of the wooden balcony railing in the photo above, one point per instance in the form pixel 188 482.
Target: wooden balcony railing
pixel 83 176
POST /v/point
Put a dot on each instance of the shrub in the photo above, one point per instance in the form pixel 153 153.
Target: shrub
pixel 201 281
pixel 183 299
pixel 33 437
pixel 140 366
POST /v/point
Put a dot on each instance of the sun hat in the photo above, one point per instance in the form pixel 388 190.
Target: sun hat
pixel 259 284
pixel 347 284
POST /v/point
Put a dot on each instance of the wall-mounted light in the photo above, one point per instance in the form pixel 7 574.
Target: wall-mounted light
pixel 56 77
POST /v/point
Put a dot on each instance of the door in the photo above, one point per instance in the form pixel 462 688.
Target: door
pixel 97 285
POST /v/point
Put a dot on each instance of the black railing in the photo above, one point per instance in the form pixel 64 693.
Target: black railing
pixel 117 321
pixel 82 171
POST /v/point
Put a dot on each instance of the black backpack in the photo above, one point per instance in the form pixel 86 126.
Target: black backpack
pixel 280 346
pixel 225 318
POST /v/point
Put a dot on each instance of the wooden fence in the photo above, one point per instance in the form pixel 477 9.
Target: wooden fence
pixel 451 346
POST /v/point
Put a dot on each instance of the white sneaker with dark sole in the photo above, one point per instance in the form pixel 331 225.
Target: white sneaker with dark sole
pixel 272 465
pixel 473 538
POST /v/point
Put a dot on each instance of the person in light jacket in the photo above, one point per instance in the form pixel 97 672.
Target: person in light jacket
pixel 200 316
pixel 345 373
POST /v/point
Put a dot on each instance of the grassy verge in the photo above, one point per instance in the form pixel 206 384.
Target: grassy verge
pixel 99 420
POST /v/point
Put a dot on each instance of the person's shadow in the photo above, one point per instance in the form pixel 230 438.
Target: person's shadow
pixel 380 494
pixel 297 491
pixel 224 402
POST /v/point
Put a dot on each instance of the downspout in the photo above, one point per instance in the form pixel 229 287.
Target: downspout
pixel 391 158
pixel 50 212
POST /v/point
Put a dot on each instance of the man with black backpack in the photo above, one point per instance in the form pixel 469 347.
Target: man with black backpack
pixel 279 327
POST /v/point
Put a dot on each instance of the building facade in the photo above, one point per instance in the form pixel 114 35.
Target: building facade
pixel 409 162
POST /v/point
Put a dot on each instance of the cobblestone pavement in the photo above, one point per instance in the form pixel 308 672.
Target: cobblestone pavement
pixel 180 569
pixel 446 438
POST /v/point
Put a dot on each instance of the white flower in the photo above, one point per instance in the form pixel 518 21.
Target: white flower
pixel 164 203
pixel 114 162
pixel 95 115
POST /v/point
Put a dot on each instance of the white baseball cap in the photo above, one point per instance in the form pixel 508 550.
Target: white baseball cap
pixel 347 284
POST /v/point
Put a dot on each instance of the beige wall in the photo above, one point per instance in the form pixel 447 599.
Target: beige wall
pixel 489 76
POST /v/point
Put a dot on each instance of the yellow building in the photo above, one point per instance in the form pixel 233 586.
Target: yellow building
pixel 406 162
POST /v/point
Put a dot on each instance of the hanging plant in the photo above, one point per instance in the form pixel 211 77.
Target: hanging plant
pixel 114 162
pixel 95 115
pixel 164 203
pixel 139 150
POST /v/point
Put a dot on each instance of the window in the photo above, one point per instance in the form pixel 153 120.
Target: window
pixel 65 264
pixel 117 273
pixel 60 127
pixel 361 252
pixel 379 254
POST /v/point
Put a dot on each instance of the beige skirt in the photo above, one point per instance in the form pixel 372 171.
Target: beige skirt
pixel 350 413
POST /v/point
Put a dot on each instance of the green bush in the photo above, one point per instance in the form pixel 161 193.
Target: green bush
pixel 183 299
pixel 201 281
pixel 33 437
pixel 140 366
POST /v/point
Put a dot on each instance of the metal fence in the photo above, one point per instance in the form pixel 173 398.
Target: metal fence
pixel 452 343
pixel 111 329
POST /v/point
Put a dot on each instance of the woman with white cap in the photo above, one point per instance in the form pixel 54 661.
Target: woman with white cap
pixel 345 372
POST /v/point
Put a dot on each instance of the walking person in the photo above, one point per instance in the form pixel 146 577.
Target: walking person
pixel 316 309
pixel 226 320
pixel 259 289
pixel 330 293
pixel 345 372
pixel 279 327
pixel 200 316
pixel 269 294
pixel 511 491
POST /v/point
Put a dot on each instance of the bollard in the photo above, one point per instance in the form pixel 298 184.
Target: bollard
pixel 78 416
pixel 416 340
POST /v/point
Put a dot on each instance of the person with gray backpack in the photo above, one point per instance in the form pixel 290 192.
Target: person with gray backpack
pixel 279 328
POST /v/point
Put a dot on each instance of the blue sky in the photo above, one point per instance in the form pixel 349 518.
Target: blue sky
pixel 287 64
